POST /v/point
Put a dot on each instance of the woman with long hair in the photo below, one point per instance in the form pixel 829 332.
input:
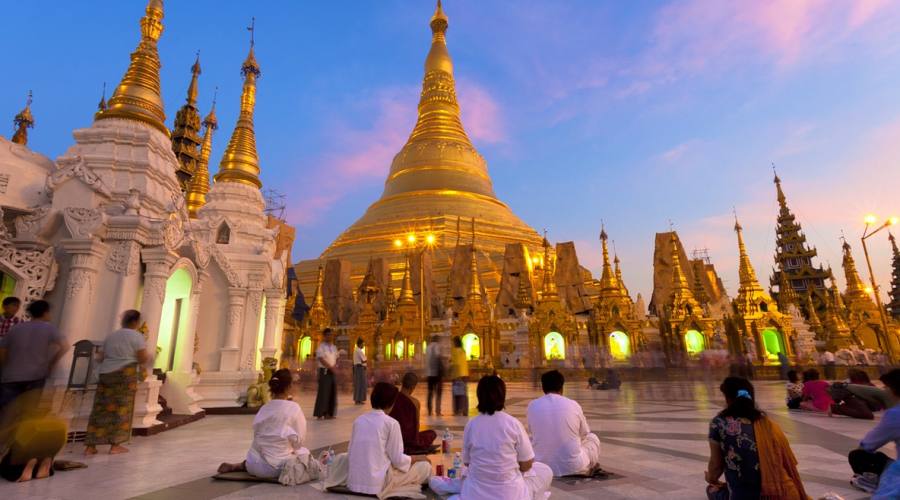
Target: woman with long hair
pixel 279 433
pixel 750 449
pixel 123 353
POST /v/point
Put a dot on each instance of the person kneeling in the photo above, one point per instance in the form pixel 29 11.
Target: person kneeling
pixel 498 454
pixel 279 430
pixel 375 463
pixel 406 412
pixel 561 435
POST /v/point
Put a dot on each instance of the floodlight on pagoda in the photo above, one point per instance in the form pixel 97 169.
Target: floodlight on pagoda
pixel 398 243
pixel 893 220
pixel 411 238
pixel 429 239
pixel 870 219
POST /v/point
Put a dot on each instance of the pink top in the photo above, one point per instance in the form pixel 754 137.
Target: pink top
pixel 817 392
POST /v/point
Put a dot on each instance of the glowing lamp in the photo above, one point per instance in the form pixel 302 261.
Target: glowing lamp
pixel 893 220
pixel 398 243
pixel 870 219
pixel 429 239
pixel 411 238
pixel 869 290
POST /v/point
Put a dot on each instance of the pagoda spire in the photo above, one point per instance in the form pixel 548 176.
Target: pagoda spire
pixel 406 291
pixel 475 281
pixel 608 282
pixel 619 280
pixel 548 287
pixel 811 317
pixel 319 298
pixel 102 106
pixel 240 163
pixel 138 96
pixel 855 287
pixel 199 185
pixel 679 281
pixel 682 300
pixel 523 293
pixel 186 141
pixel 894 305
pixel 745 268
pixel 23 121
pixel 786 294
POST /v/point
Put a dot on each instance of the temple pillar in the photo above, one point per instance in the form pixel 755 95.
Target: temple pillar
pixel 273 318
pixel 159 263
pixel 229 353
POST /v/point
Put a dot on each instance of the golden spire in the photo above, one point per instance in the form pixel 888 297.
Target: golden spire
pixel 608 280
pixel 475 281
pixel 679 281
pixel 834 313
pixel 682 301
pixel 138 95
pixel 319 298
pixel 240 163
pixel 406 291
pixel 548 287
pixel 23 121
pixel 745 268
pixel 782 200
pixel 838 299
pixel 186 142
pixel 199 185
pixel 786 293
pixel 619 280
pixel 811 317
pixel 855 285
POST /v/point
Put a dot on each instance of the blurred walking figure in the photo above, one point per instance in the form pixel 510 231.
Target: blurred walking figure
pixel 28 353
pixel 434 369
pixel 326 395
pixel 360 383
pixel 123 353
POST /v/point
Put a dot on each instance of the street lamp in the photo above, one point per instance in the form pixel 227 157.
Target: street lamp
pixel 870 220
pixel 413 243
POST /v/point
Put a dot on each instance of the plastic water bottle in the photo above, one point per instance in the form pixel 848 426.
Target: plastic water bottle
pixel 456 471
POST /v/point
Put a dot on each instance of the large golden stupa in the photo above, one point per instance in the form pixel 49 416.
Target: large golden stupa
pixel 436 179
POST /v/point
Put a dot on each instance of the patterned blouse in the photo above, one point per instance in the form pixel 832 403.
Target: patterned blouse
pixel 738 444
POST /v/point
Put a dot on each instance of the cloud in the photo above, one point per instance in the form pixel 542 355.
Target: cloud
pixel 678 152
pixel 481 115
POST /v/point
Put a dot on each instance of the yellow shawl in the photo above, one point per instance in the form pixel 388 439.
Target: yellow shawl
pixel 777 464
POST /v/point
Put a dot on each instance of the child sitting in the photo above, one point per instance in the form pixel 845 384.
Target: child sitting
pixel 794 390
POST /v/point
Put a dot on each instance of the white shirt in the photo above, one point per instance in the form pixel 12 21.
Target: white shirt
pixel 120 349
pixel 493 446
pixel 279 430
pixel 376 445
pixel 328 352
pixel 558 425
pixel 829 357
pixel 433 359
pixel 359 357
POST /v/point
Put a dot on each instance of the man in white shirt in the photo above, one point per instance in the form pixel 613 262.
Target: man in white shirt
pixel 326 395
pixel 560 432
pixel 434 370
pixel 360 383
pixel 375 462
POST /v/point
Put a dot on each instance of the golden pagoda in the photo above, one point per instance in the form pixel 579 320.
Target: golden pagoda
pixel 437 176
pixel 862 312
pixel 617 326
pixel 199 183
pixel 240 163
pixel 138 95
pixel 186 141
pixel 684 325
pixel 23 121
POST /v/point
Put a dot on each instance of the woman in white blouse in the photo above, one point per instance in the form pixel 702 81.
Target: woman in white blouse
pixel 498 453
pixel 375 463
pixel 279 431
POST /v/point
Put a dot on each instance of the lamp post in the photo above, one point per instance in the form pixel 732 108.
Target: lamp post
pixel 412 243
pixel 869 220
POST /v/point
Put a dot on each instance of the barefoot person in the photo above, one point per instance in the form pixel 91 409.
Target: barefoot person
pixel 124 353
pixel 406 412
pixel 326 395
pixel 375 463
pixel 279 432
pixel 35 441
pixel 561 435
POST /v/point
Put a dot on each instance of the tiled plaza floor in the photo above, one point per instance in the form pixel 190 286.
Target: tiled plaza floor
pixel 653 435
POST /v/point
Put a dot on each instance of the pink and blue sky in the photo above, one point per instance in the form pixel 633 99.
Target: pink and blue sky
pixel 636 113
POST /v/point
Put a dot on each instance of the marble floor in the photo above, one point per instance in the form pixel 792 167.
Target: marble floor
pixel 653 436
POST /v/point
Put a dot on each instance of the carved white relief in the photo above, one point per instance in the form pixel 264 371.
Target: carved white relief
pixel 70 168
pixel 31 226
pixel 235 311
pixel 133 203
pixel 155 288
pixel 234 279
pixel 202 253
pixel 254 299
pixel 83 223
pixel 81 281
pixel 38 269
pixel 124 258
pixel 172 232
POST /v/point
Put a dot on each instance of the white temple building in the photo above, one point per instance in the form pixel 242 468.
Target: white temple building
pixel 126 219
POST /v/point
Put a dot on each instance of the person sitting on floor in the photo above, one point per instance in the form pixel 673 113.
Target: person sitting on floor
pixel 498 454
pixel 612 381
pixel 560 433
pixel 279 432
pixel 794 390
pixel 815 393
pixel 875 397
pixel 375 463
pixel 406 411
pixel 866 461
pixel 33 442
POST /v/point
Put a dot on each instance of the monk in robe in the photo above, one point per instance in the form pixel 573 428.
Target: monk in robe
pixel 406 412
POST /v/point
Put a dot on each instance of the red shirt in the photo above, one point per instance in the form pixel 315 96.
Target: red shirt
pixel 817 392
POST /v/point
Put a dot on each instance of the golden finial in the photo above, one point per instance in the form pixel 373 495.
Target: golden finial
pixel 199 185
pixel 101 106
pixel 406 291
pixel 138 95
pixel 192 88
pixel 608 277
pixel 319 298
pixel 746 272
pixel 855 284
pixel 240 163
pixel 23 121
pixel 782 199
pixel 438 57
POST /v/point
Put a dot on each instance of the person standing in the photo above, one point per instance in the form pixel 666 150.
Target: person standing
pixel 829 361
pixel 561 436
pixel 29 352
pixel 124 352
pixel 360 383
pixel 434 370
pixel 459 373
pixel 326 395
pixel 10 316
